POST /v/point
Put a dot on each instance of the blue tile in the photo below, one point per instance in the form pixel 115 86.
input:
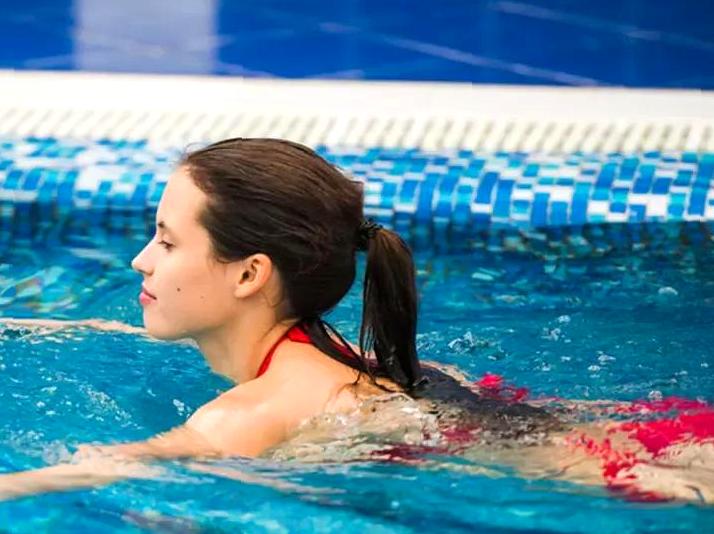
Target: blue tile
pixel 578 214
pixel 30 180
pixel 643 184
pixel 138 197
pixel 521 207
pixel 65 193
pixel 706 168
pixel 462 208
pixel 606 176
pixel 502 203
pixel 637 213
pixel 407 191
pixel 539 212
pixel 661 186
pixel 675 211
pixel 531 169
pixel 697 201
pixel 12 179
pixel 559 213
pixel 485 187
pixel 684 177
pixel 601 193
pixel 426 196
pixel 389 191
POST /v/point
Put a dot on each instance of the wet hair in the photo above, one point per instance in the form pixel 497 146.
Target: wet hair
pixel 282 199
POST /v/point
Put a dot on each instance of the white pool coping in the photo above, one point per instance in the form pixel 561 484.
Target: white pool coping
pixel 172 111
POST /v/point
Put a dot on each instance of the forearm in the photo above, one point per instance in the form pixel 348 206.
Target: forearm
pixel 64 477
pixel 99 465
pixel 102 325
pixel 56 324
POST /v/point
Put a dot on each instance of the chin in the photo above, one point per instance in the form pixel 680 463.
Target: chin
pixel 163 332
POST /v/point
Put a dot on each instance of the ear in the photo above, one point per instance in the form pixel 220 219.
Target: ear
pixel 251 275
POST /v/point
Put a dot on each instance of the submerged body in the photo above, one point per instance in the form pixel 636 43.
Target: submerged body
pixel 668 454
pixel 660 451
pixel 342 416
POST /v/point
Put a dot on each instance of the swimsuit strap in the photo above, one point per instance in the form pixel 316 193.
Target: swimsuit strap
pixel 294 333
pixel 297 334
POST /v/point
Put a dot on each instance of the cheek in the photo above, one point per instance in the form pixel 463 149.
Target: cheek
pixel 190 300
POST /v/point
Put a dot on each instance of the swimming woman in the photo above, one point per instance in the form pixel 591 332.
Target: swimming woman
pixel 255 241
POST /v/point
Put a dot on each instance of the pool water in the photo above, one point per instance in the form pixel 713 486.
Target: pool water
pixel 622 324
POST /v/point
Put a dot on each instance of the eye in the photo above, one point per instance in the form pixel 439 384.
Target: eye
pixel 165 244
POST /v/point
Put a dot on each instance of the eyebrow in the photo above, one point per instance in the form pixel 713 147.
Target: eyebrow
pixel 162 225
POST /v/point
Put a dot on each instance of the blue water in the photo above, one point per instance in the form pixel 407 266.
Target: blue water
pixel 619 325
pixel 635 43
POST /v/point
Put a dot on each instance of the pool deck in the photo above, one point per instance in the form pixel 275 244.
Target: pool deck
pixel 172 110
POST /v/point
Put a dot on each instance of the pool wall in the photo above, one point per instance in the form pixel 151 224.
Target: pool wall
pixel 88 150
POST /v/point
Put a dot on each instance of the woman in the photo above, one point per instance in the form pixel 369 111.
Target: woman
pixel 256 239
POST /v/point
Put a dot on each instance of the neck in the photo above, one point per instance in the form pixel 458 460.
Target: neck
pixel 236 350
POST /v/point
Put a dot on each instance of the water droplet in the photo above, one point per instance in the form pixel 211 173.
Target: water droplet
pixel 667 292
pixel 180 406
pixel 604 358
pixel 551 335
pixel 486 275
pixel 468 343
pixel 655 395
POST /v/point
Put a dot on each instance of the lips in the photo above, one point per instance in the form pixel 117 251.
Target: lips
pixel 143 289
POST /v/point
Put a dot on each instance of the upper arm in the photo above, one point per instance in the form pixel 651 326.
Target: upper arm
pixel 231 425
pixel 236 425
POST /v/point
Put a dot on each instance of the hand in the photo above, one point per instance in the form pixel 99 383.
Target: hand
pixel 110 326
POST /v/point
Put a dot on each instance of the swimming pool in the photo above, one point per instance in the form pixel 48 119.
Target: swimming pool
pixel 619 327
pixel 616 305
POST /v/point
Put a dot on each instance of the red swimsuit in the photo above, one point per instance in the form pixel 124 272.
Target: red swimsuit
pixel 297 334
pixel 683 421
pixel 670 421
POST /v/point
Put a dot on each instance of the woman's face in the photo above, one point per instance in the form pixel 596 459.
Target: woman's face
pixel 189 292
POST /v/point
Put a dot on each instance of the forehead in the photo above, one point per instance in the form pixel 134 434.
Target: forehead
pixel 181 201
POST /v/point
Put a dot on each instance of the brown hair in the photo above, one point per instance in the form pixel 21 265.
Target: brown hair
pixel 282 199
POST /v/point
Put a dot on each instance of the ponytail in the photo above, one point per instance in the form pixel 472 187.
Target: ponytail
pixel 389 312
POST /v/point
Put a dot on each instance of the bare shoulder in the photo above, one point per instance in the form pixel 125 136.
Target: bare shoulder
pixel 243 421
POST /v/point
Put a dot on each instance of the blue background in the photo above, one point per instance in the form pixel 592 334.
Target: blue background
pixel 639 43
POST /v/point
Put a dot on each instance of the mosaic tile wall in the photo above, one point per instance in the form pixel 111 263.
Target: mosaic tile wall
pixel 45 182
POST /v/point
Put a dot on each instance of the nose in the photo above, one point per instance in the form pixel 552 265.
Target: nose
pixel 142 261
